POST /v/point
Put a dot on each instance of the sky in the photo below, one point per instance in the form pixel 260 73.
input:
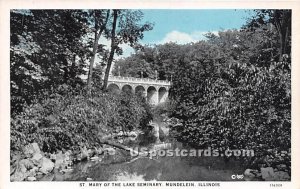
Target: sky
pixel 189 25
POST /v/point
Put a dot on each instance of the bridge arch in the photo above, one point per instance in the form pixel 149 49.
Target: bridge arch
pixel 127 88
pixel 113 88
pixel 152 95
pixel 140 90
pixel 162 94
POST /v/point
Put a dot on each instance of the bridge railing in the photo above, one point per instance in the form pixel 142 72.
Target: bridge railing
pixel 139 80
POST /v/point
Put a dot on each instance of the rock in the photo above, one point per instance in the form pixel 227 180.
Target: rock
pixel 282 176
pixel 48 177
pixel 90 152
pixel 281 167
pixel 89 179
pixel 30 149
pixel 36 148
pixel 31 178
pixel 99 151
pixel 13 169
pixel 27 163
pixel 37 158
pixel 18 176
pixel 39 173
pixel 132 134
pixel 59 177
pixel 84 153
pixel 267 173
pixel 21 172
pixel 59 161
pixel 47 165
pixel 162 146
pixel 33 171
pixel 249 174
pixel 110 151
pixel 95 158
pixel 68 155
pixel 68 169
pixel 53 156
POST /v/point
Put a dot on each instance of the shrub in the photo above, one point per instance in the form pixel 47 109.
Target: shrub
pixel 65 120
pixel 241 107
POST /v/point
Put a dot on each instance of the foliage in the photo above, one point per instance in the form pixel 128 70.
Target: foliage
pixel 147 60
pixel 163 109
pixel 247 111
pixel 46 51
pixel 237 98
pixel 279 22
pixel 51 47
pixel 68 119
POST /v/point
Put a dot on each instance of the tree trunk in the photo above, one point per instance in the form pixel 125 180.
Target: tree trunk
pixel 95 48
pixel 113 48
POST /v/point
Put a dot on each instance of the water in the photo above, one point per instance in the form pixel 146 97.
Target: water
pixel 162 169
pixel 122 167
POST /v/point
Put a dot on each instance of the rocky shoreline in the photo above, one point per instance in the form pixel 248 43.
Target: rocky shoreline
pixel 273 167
pixel 31 163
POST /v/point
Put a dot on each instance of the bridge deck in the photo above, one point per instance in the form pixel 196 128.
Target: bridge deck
pixel 138 80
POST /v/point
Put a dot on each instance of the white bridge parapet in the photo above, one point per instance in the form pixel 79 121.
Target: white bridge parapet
pixel 138 80
pixel 156 91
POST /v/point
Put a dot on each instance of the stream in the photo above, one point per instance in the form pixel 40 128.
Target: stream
pixel 174 168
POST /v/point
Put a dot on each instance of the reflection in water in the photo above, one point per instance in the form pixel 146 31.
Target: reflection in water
pixel 162 169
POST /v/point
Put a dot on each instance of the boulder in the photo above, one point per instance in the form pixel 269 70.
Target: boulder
pixel 48 177
pixel 68 155
pixel 26 164
pixel 267 173
pixel 53 156
pixel 132 134
pixel 83 153
pixel 28 151
pixel 32 172
pixel 13 169
pixel 95 158
pixel 91 152
pixel 31 178
pixel 99 151
pixel 281 167
pixel 36 148
pixel 59 161
pixel 31 149
pixel 249 174
pixel 46 166
pixel 37 158
pixel 66 170
pixel 18 176
pixel 21 172
pixel 110 151
pixel 282 176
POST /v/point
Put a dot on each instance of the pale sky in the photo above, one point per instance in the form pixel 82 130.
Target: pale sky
pixel 189 25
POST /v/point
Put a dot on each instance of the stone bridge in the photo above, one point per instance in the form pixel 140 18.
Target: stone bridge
pixel 155 91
